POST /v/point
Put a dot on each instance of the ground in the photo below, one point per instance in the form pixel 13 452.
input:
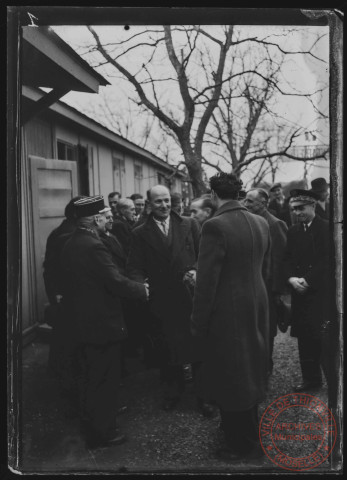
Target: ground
pixel 178 441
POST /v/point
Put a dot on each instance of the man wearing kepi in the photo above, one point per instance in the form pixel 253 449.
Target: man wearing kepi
pixel 307 273
pixel 164 250
pixel 93 287
pixel 230 314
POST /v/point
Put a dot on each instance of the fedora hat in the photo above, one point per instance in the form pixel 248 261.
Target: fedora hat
pixel 319 185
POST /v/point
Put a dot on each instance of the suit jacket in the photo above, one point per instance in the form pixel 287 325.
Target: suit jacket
pixel 164 263
pixel 308 255
pixel 280 211
pixel 325 214
pixel 93 287
pixel 276 283
pixel 121 229
pixel 230 309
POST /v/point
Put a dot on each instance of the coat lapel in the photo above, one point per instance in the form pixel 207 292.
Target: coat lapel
pixel 152 235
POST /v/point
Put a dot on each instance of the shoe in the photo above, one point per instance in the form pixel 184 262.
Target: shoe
pixel 117 439
pixel 206 409
pixel 307 386
pixel 170 403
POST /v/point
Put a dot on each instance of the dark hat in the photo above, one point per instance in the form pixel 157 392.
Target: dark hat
pixel 319 185
pixel 274 186
pixel 88 206
pixel 303 196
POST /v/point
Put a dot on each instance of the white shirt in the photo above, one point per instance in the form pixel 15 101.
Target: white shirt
pixel 165 229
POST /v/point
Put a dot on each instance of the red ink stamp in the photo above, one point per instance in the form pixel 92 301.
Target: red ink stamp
pixel 297 432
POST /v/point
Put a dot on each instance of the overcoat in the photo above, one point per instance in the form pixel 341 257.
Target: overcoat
pixel 121 229
pixel 93 287
pixel 307 255
pixel 230 310
pixel 164 262
pixel 116 250
pixel 276 281
pixel 281 211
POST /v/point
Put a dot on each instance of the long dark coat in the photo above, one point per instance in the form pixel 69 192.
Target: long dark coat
pixel 281 211
pixel 93 287
pixel 51 265
pixel 121 229
pixel 276 281
pixel 230 309
pixel 163 263
pixel 307 256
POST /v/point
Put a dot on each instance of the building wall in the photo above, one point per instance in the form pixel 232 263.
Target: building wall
pixel 40 137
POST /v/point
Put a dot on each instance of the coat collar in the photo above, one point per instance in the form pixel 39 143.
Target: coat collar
pixel 230 205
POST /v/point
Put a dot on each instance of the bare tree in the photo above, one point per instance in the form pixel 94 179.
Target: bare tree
pixel 245 129
pixel 184 76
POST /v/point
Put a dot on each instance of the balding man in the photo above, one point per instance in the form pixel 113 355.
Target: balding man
pixel 202 209
pixel 123 224
pixel 164 250
pixel 256 202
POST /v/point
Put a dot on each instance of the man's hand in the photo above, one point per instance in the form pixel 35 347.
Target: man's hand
pixel 190 277
pixel 58 298
pixel 147 290
pixel 299 284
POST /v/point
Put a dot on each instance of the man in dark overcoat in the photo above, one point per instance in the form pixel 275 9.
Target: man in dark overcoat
pixel 256 202
pixel 124 222
pixel 321 188
pixel 230 314
pixel 62 346
pixel 307 272
pixel 93 288
pixel 278 205
pixel 164 249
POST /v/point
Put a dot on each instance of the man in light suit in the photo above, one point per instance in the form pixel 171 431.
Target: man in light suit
pixel 164 250
pixel 256 202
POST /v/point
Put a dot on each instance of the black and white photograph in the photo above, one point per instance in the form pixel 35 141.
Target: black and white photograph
pixel 174 240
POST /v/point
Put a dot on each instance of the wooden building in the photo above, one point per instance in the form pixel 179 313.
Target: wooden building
pixel 65 153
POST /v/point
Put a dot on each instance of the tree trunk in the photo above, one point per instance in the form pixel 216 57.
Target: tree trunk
pixel 195 173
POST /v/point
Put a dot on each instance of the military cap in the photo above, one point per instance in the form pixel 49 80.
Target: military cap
pixel 274 186
pixel 88 206
pixel 319 185
pixel 303 196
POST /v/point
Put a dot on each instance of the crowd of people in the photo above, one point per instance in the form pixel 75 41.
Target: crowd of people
pixel 198 294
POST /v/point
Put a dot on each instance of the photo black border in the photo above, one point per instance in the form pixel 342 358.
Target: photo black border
pixel 17 16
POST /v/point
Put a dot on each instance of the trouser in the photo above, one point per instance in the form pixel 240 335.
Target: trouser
pixel 172 378
pixel 98 386
pixel 310 351
pixel 241 429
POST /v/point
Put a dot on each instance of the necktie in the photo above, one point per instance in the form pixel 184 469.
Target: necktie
pixel 305 227
pixel 163 226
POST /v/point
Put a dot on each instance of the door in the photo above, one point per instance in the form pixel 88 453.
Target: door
pixel 53 183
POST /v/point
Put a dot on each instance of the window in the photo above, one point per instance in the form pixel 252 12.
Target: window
pixel 66 151
pixel 118 165
pixel 138 177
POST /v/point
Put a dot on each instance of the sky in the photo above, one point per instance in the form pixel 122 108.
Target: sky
pixel 299 73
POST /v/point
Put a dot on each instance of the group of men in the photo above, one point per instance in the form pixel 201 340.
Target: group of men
pixel 211 285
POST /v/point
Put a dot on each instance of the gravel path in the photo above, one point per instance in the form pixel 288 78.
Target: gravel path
pixel 178 441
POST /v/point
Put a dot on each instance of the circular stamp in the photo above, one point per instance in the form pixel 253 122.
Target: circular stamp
pixel 297 432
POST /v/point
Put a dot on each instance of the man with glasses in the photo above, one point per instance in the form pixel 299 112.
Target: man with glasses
pixel 307 273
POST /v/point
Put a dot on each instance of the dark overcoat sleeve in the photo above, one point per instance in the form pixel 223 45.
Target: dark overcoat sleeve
pixel 278 232
pixel 136 267
pixel 210 263
pixel 106 272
